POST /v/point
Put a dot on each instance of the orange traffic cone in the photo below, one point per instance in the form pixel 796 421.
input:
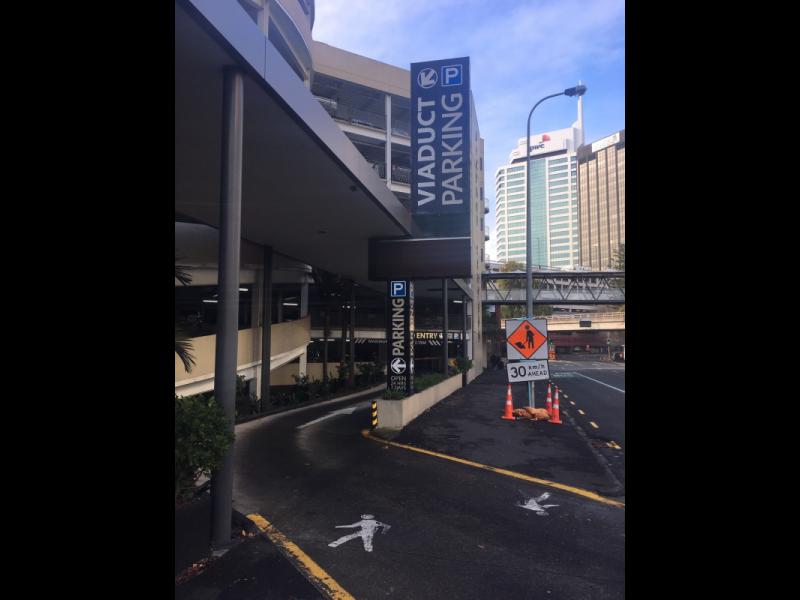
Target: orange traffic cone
pixel 509 415
pixel 555 417
pixel 549 405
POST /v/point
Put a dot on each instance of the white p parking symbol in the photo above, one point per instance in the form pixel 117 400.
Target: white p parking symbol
pixel 451 75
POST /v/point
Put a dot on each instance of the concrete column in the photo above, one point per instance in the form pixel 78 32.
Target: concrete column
pixel 228 293
pixel 444 326
pixel 388 105
pixel 352 365
pixel 255 320
pixel 303 299
pixel 303 368
pixel 464 335
pixel 343 355
pixel 263 18
pixel 266 325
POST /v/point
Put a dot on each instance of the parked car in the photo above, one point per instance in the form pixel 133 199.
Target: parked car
pixel 619 354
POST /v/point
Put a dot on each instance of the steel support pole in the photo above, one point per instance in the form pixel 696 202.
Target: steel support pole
pixel 352 365
pixel 444 325
pixel 464 337
pixel 227 338
pixel 529 230
pixel 388 146
pixel 266 326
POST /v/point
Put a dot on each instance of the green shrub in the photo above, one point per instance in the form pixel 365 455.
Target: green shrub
pixel 463 364
pixel 246 403
pixel 425 381
pixel 370 373
pixel 202 436
pixel 393 395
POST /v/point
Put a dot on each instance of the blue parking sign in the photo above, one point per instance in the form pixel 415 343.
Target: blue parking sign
pixel 451 75
pixel 398 289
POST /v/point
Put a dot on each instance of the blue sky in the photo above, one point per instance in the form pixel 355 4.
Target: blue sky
pixel 520 51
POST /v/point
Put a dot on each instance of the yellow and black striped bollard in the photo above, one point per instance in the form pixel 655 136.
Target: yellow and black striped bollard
pixel 374 414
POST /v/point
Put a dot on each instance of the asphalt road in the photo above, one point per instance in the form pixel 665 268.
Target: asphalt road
pixel 595 398
pixel 456 531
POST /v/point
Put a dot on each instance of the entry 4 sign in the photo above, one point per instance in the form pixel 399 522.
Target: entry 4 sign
pixel 528 370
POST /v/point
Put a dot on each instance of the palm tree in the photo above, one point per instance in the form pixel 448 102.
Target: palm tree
pixel 183 345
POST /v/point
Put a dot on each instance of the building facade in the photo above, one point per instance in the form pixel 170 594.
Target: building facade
pixel 601 182
pixel 554 196
pixel 293 223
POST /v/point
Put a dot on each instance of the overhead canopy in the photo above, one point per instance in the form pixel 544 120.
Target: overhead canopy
pixel 306 190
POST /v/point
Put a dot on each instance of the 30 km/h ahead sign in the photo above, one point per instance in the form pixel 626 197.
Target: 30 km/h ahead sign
pixel 526 339
pixel 528 370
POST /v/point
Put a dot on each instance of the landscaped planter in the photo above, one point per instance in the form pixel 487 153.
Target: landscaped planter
pixel 396 414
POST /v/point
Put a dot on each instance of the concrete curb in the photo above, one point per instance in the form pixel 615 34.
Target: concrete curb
pixel 307 405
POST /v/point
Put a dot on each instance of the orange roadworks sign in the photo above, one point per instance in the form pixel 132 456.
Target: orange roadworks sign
pixel 526 339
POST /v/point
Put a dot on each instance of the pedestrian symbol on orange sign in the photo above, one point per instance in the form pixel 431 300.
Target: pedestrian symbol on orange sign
pixel 528 336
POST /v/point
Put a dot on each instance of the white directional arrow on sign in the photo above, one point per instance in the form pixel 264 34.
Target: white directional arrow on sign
pixel 427 77
pixel 342 411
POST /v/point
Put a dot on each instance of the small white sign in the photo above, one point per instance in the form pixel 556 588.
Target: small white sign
pixel 528 370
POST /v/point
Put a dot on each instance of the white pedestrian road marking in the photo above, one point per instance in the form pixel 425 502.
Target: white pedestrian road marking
pixel 342 411
pixel 368 526
pixel 600 382
pixel 533 504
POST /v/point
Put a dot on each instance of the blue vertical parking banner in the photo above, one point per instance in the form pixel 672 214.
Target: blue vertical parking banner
pixel 440 136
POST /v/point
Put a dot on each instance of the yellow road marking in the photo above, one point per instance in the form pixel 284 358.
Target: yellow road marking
pixel 593 424
pixel 560 486
pixel 614 445
pixel 312 571
pixel 581 412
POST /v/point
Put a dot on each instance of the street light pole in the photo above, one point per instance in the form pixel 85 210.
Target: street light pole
pixel 576 91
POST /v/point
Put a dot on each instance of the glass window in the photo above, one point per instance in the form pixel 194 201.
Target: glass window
pixel 557 161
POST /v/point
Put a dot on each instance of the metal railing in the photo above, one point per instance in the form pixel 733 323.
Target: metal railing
pixel 606 316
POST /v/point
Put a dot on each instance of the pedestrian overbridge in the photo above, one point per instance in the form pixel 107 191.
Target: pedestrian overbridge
pixel 587 322
pixel 556 287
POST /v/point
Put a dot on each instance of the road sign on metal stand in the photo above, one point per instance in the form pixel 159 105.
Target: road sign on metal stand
pixel 526 345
